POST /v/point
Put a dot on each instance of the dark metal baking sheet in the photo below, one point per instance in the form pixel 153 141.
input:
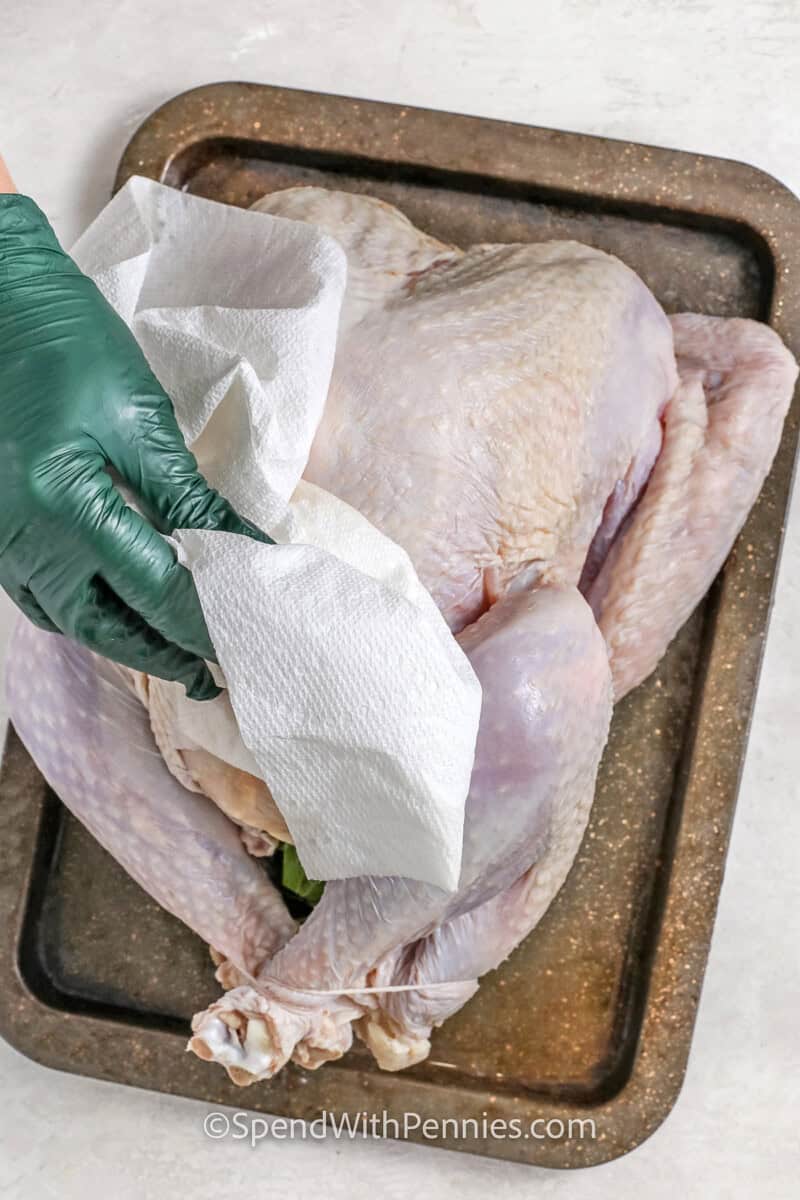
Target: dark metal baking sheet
pixel 592 1016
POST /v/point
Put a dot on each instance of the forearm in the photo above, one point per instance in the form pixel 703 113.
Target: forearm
pixel 6 182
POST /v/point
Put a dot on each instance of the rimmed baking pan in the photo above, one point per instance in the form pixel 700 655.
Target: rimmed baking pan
pixel 591 1019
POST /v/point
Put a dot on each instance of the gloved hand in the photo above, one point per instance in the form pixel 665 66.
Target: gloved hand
pixel 77 399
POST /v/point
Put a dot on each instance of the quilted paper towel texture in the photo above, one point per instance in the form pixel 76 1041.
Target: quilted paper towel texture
pixel 346 691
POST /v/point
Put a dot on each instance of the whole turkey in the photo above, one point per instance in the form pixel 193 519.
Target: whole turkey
pixel 567 468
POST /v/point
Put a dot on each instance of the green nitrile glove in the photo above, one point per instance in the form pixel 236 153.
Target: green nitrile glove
pixel 77 399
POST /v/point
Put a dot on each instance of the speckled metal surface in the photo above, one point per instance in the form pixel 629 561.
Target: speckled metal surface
pixel 592 1016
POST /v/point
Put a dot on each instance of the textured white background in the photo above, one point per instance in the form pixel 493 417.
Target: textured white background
pixel 714 76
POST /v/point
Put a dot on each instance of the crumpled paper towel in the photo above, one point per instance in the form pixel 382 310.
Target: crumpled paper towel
pixel 346 691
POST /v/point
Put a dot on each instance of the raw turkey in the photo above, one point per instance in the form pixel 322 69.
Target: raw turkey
pixel 567 468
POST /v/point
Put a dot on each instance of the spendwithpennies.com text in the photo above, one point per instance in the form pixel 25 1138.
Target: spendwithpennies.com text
pixel 251 1129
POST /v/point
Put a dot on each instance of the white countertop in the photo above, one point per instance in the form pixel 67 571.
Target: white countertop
pixel 704 75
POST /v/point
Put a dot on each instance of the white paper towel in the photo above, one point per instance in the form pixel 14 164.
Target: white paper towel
pixel 346 692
